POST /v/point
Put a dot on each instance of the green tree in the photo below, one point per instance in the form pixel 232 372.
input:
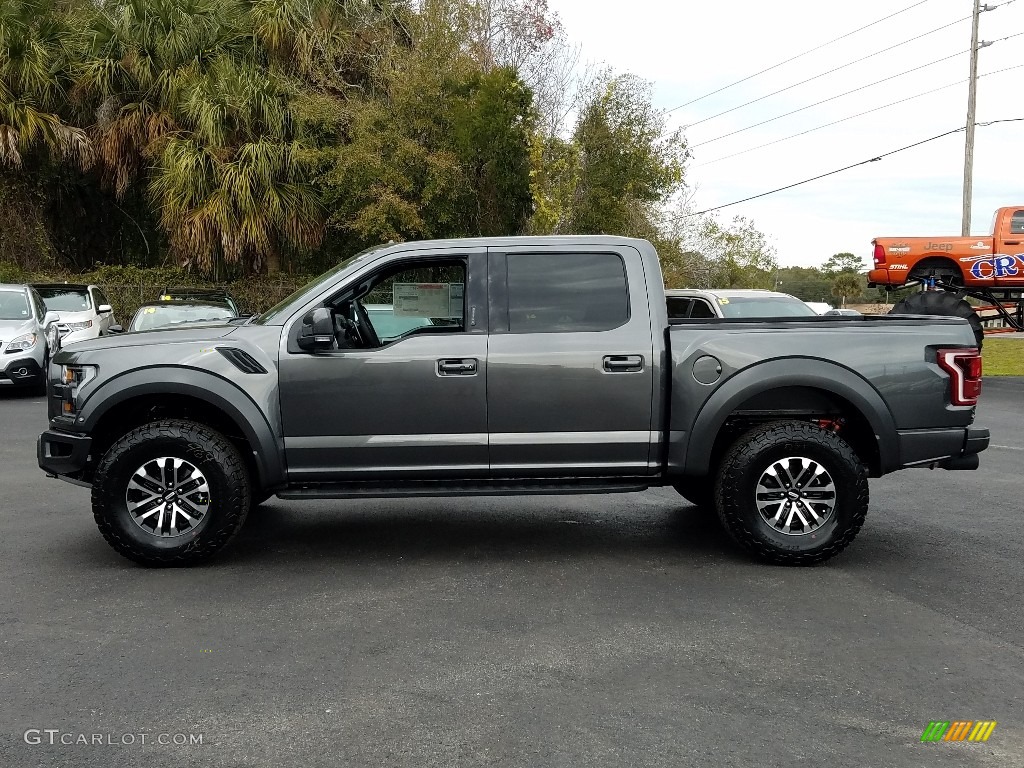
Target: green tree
pixel 629 163
pixel 846 285
pixel 842 262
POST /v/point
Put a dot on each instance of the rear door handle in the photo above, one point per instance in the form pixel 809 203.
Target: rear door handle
pixel 461 366
pixel 623 363
pixel 1011 242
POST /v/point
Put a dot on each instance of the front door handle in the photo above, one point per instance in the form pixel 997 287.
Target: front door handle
pixel 623 363
pixel 461 366
pixel 1011 242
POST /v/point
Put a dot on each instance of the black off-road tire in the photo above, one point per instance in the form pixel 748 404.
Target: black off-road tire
pixel 742 468
pixel 211 453
pixel 940 303
pixel 699 491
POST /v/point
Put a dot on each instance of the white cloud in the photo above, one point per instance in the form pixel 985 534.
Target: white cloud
pixel 689 49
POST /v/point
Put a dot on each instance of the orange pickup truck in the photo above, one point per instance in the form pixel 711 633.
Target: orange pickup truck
pixel 994 261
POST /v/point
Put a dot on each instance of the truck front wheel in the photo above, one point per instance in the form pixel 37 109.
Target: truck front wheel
pixel 792 493
pixel 170 493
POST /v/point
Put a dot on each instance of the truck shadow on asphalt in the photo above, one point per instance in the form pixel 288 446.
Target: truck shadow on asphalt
pixel 274 533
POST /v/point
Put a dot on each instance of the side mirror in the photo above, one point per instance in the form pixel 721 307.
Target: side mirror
pixel 317 331
pixel 50 318
pixel 115 329
pixel 51 332
pixel 104 309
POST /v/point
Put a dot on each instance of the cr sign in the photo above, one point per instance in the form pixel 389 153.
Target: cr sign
pixel 998 266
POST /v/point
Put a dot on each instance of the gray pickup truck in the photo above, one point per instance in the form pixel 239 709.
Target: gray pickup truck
pixel 500 366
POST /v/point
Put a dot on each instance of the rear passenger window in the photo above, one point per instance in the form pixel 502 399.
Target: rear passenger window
pixel 678 307
pixel 701 309
pixel 1017 223
pixel 566 292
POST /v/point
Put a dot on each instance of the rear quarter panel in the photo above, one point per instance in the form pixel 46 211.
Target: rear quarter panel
pixel 883 365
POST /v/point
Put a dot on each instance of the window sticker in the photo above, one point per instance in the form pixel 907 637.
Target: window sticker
pixel 421 299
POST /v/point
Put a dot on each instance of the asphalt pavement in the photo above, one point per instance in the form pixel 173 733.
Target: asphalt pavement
pixel 619 630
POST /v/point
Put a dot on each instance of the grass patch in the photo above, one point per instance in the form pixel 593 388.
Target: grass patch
pixel 1003 357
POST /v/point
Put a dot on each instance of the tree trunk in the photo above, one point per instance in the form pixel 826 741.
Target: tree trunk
pixel 273 261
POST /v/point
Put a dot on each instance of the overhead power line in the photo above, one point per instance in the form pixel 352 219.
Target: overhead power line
pixel 851 117
pixel 800 55
pixel 845 168
pixel 833 98
pixel 829 72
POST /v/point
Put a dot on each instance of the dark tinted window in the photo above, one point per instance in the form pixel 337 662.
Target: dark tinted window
pixel 1017 223
pixel 701 309
pixel 66 299
pixel 560 293
pixel 678 306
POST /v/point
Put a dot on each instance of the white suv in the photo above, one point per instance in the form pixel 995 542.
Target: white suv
pixel 84 311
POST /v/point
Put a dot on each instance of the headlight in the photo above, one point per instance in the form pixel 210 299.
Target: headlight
pixel 79 326
pixel 76 375
pixel 21 344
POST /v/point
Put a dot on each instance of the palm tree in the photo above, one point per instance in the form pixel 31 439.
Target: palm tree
pixel 36 48
pixel 183 93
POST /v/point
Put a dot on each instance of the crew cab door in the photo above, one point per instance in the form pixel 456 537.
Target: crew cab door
pixel 569 373
pixel 1008 266
pixel 412 406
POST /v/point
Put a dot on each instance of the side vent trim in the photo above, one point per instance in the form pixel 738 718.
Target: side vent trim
pixel 242 360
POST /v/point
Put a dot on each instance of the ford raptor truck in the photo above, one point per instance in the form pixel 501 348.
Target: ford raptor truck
pixel 950 269
pixel 501 366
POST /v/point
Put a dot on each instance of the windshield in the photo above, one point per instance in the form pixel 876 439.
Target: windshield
pixel 148 318
pixel 65 299
pixel 764 306
pixel 14 306
pixel 274 311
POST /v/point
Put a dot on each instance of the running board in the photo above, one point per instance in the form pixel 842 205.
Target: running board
pixel 499 487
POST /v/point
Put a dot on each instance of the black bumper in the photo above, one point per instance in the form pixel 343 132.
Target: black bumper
pixel 943 448
pixel 21 371
pixel 62 454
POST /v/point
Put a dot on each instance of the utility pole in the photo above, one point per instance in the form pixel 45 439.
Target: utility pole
pixel 972 87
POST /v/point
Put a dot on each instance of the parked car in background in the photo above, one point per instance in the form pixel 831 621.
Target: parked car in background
pixel 693 304
pixel 84 311
pixel 24 347
pixel 165 314
pixel 843 313
pixel 821 307
pixel 201 294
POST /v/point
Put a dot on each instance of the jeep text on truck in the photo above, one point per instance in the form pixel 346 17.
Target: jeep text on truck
pixel 990 269
pixel 523 365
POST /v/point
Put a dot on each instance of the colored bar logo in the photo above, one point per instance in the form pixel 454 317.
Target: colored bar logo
pixel 958 730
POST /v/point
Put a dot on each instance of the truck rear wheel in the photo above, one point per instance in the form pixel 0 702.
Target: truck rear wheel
pixel 170 493
pixel 940 303
pixel 792 493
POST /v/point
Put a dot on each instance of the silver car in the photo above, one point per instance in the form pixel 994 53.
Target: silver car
pixel 24 343
pixel 694 304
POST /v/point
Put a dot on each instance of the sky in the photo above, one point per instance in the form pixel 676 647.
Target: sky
pixel 689 49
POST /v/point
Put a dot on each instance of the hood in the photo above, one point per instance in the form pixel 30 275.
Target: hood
pixel 184 335
pixel 11 328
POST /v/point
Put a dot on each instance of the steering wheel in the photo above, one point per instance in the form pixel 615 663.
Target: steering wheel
pixel 362 326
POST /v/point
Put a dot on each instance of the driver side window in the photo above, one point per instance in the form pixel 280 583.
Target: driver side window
pixel 415 298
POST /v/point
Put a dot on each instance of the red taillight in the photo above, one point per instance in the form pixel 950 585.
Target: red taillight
pixel 964 369
pixel 879 255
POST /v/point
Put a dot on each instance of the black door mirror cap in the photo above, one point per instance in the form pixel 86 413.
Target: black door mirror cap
pixel 317 330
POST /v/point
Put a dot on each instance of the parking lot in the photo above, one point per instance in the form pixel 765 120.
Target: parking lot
pixel 539 631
